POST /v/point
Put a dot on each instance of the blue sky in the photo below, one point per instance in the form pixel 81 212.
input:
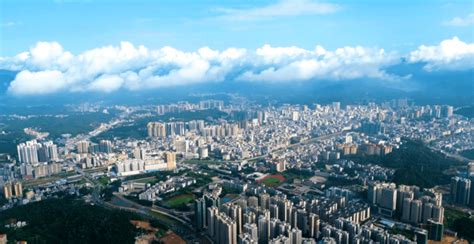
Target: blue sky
pixel 106 46
pixel 187 25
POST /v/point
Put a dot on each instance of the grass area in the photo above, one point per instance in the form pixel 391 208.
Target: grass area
pixel 104 180
pixel 179 200
pixel 273 180
pixel 150 180
pixel 270 181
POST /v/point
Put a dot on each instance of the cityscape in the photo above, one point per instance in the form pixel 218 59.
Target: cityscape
pixel 276 174
pixel 229 122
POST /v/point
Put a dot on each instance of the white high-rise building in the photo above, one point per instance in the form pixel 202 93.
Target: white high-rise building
pixel 28 152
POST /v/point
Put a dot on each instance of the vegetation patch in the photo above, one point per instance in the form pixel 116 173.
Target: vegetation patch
pixel 414 164
pixel 468 154
pixel 104 180
pixel 460 222
pixel 69 220
pixel 179 200
pixel 466 112
pixel 272 180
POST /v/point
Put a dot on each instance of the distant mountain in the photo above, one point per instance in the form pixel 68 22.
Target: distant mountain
pixel 6 77
pixel 436 87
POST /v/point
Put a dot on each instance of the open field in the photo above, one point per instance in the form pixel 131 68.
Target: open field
pixel 272 180
pixel 179 200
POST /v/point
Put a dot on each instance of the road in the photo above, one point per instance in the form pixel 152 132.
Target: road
pixel 167 212
pixel 167 217
pixel 311 140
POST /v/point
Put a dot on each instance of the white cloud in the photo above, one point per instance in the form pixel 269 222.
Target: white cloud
pixel 49 55
pixel 107 83
pixel 37 83
pixel 48 68
pixel 296 64
pixel 461 21
pixel 451 54
pixel 280 9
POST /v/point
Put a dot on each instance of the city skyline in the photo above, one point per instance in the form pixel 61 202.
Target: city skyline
pixel 237 122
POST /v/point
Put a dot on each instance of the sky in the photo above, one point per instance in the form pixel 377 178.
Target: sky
pixel 82 45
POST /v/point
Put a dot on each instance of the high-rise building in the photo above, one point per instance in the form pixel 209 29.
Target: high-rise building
pixel 263 230
pixel 421 236
pixel 181 145
pixel 438 214
pixel 302 220
pixel 235 212
pixel 7 190
pixel 274 223
pixel 384 195
pixel 314 224
pixel 249 218
pixel 227 230
pixel 105 146
pixel 264 201
pixel 447 111
pixel 415 211
pixel 252 202
pixel 435 230
pixel 47 151
pixel 252 230
pixel 211 221
pixel 139 153
pixel 245 238
pixel 460 190
pixel 12 189
pixel 156 129
pixel 18 189
pixel 52 150
pixel 83 147
pixel 28 152
pixel 427 212
pixel 170 158
pixel 262 118
pixel 296 236
pixel 273 211
pixel 284 209
pixel 200 213
pixel 203 152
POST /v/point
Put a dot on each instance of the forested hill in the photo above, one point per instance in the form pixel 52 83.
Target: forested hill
pixel 68 221
pixel 415 164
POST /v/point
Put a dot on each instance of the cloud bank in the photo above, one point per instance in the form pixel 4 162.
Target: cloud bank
pixel 451 54
pixel 48 68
